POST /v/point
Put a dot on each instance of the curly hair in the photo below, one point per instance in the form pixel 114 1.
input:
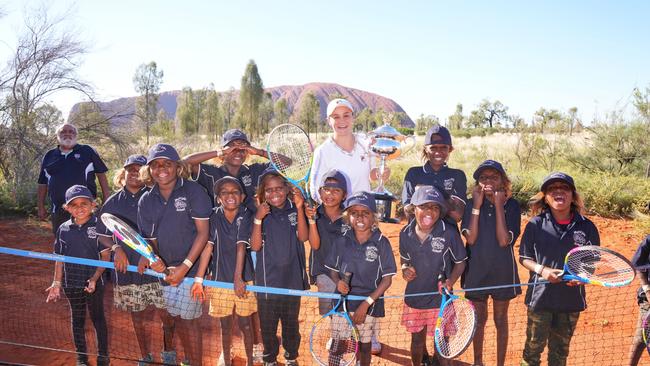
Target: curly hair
pixel 507 184
pixel 182 171
pixel 261 194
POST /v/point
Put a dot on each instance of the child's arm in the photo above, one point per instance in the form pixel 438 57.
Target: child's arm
pixel 503 235
pixel 256 235
pixel 195 159
pixel 359 315
pixel 458 270
pixel 54 291
pixel 238 279
pixel 92 281
pixel 303 229
pixel 201 238
pixel 314 237
pixel 204 261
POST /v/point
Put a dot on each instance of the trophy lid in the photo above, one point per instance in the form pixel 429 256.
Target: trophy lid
pixel 387 131
pixel 385 146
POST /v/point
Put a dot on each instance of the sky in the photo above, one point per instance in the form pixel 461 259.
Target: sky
pixel 427 56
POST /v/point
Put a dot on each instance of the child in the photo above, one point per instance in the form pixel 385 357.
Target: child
pixel 426 245
pixel 450 182
pixel 553 308
pixel 368 256
pixel 133 293
pixel 279 231
pixel 83 285
pixel 491 225
pixel 641 258
pixel 230 231
pixel 174 217
pixel 325 225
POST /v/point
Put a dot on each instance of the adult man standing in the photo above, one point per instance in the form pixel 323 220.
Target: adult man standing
pixel 66 165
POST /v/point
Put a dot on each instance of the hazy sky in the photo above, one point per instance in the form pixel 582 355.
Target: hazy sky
pixel 426 55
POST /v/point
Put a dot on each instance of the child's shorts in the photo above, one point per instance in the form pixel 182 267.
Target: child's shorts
pixel 223 300
pixel 135 298
pixel 179 302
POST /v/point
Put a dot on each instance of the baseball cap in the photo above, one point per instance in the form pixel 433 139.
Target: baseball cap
pixel 77 191
pixel 232 135
pixel 441 131
pixel 135 159
pixel 341 181
pixel 268 171
pixel 227 179
pixel 488 164
pixel 557 177
pixel 366 199
pixel 338 103
pixel 162 151
pixel 426 194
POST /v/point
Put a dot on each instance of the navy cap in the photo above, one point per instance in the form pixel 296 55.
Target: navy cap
pixel 268 171
pixel 135 159
pixel 77 191
pixel 557 177
pixel 341 181
pixel 426 194
pixel 224 180
pixel 162 151
pixel 232 135
pixel 366 199
pixel 489 164
pixel 441 131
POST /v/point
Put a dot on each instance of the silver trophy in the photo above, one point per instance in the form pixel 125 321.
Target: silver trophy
pixel 388 143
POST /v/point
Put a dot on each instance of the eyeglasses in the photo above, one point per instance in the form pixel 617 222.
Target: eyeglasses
pixel 273 189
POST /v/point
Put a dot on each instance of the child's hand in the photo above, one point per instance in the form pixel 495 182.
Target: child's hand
pixel 176 275
pixel 499 198
pixel 92 285
pixel 298 199
pixel 197 292
pixel 53 293
pixel 240 288
pixel 262 211
pixel 409 274
pixel 359 315
pixel 310 211
pixel 143 264
pixel 552 275
pixel 158 266
pixel 477 196
pixel 343 287
pixel 120 260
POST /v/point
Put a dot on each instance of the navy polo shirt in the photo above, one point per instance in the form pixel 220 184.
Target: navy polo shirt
pixel 368 262
pixel 248 176
pixel 225 237
pixel 452 182
pixel 281 261
pixel 124 205
pixel 443 247
pixel 328 231
pixel 547 242
pixel 62 171
pixel 171 221
pixel 642 256
pixel 489 264
pixel 73 240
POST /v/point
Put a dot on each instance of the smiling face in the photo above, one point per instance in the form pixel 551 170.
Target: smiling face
pixel 81 209
pixel 237 154
pixel 275 191
pixel 230 196
pixel 341 120
pixel 67 136
pixel 163 171
pixel 559 196
pixel 426 216
pixel 132 177
pixel 331 196
pixel 491 181
pixel 437 154
pixel 361 219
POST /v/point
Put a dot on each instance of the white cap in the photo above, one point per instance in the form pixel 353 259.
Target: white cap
pixel 338 103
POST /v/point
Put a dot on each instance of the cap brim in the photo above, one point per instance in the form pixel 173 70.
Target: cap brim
pixel 74 198
pixel 162 157
pixel 553 180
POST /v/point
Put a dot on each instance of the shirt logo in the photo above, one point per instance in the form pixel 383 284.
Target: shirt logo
pixel 247 180
pixel 437 245
pixel 77 156
pixel 345 228
pixel 180 203
pixel 238 221
pixel 293 218
pixel 449 184
pixel 160 148
pixel 371 253
pixel 579 238
pixel 91 232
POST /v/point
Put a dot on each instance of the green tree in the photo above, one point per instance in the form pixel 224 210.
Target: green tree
pixel 489 114
pixel 309 115
pixel 572 119
pixel 212 113
pixel 545 119
pixel 228 108
pixel 281 112
pixel 423 123
pixel 364 119
pixel 186 114
pixel 266 113
pixel 456 120
pixel 642 102
pixel 147 81
pixel 251 95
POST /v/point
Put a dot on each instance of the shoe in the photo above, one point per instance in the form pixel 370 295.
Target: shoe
pixel 146 360
pixel 103 361
pixel 375 346
pixel 291 363
pixel 185 363
pixel 258 353
pixel 168 357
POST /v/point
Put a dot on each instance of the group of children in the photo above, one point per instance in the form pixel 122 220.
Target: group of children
pixel 253 229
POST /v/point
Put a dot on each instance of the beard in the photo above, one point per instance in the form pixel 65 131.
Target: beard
pixel 67 142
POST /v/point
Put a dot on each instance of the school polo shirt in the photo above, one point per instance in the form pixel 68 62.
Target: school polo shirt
pixel 355 165
pixel 489 264
pixel 442 247
pixel 642 256
pixel 247 176
pixel 124 205
pixel 328 231
pixel 73 240
pixel 547 242
pixel 281 262
pixel 451 182
pixel 171 222
pixel 368 262
pixel 61 171
pixel 225 238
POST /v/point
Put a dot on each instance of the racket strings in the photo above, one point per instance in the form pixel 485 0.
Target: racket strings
pixel 334 341
pixel 456 329
pixel 601 266
pixel 290 151
pixel 646 328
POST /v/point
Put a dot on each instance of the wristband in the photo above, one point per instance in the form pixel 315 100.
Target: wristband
pixel 198 279
pixel 406 265
pixel 257 222
pixel 311 221
pixel 188 263
pixel 370 300
pixel 476 211
pixel 115 246
pixel 539 269
pixel 56 283
pixel 645 287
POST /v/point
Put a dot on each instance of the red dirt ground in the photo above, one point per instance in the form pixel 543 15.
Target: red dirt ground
pixel 602 337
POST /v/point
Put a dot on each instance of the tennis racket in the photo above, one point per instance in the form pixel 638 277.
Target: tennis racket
pixel 290 152
pixel 334 340
pixel 598 266
pixel 455 325
pixel 130 237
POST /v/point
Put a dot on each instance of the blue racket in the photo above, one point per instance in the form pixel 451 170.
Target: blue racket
pixel 455 325
pixel 596 265
pixel 290 151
